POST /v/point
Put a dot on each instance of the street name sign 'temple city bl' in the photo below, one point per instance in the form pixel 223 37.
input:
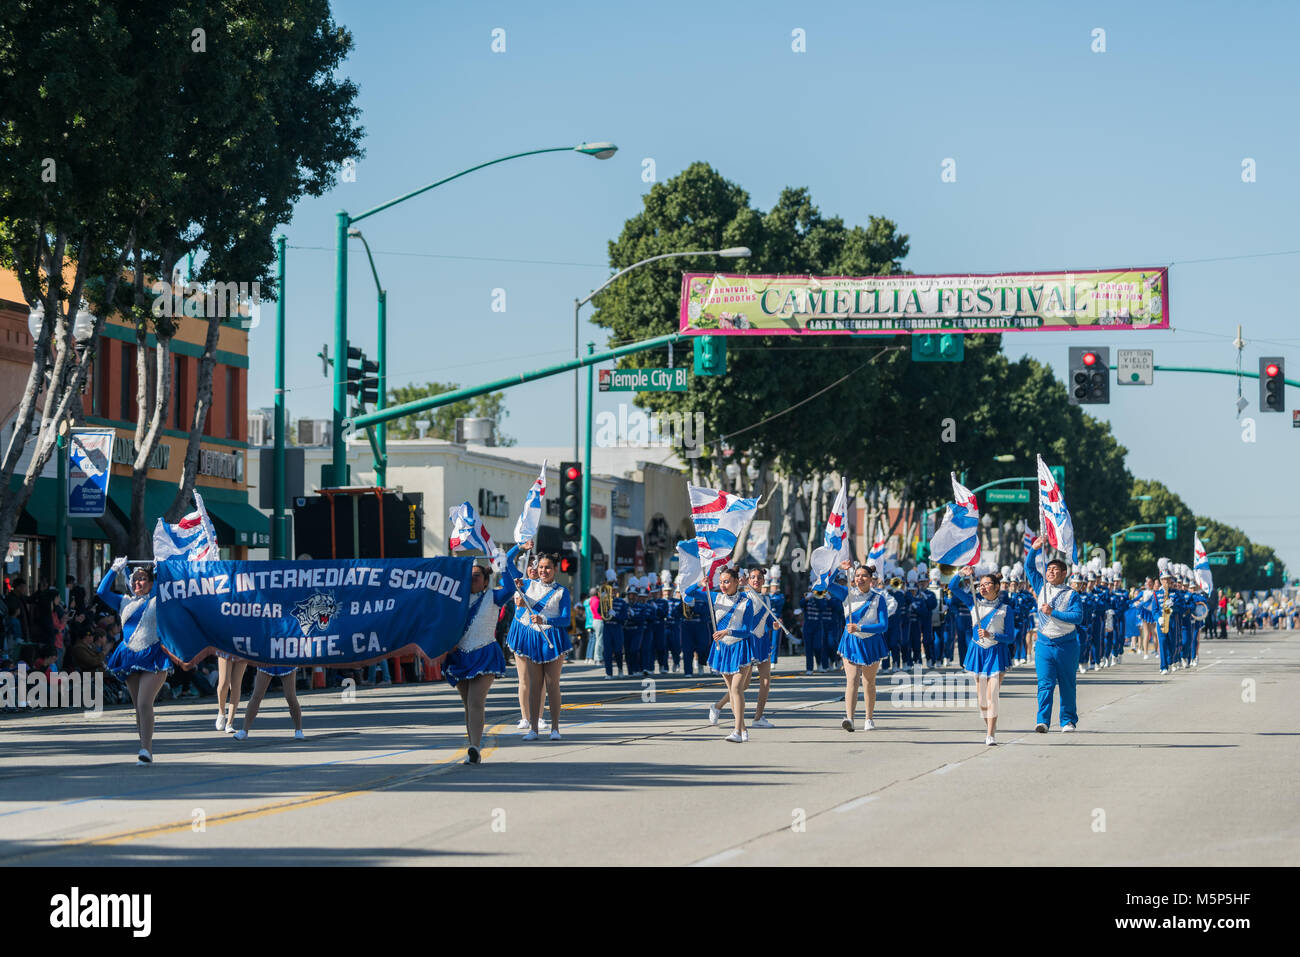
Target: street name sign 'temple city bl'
pixel 643 380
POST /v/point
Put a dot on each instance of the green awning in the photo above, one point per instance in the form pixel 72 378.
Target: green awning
pixel 238 523
pixel 39 515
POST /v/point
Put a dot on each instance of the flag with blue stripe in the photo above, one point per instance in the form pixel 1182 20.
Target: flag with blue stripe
pixel 956 542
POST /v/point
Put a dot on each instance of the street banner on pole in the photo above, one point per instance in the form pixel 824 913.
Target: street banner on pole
pixel 764 305
pixel 90 456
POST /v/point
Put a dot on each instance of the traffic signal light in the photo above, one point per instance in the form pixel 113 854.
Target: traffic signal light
pixel 568 562
pixel 571 500
pixel 1171 527
pixel 922 550
pixel 1241 554
pixel 369 382
pixel 355 375
pixel 1058 473
pixel 938 347
pixel 1268 570
pixel 710 355
pixel 1089 381
pixel 1272 384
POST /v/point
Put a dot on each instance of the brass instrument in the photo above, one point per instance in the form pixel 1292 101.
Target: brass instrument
pixel 606 599
pixel 1166 610
pixel 688 608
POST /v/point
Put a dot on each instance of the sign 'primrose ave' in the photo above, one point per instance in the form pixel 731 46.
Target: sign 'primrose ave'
pixel 1114 300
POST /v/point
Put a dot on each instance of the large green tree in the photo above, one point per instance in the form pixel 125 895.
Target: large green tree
pixel 132 135
pixel 443 419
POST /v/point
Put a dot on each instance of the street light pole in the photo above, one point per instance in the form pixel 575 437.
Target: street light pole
pixel 733 252
pixel 584 571
pixel 279 529
pixel 336 473
pixel 379 447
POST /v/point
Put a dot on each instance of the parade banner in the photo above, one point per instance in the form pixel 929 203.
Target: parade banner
pixel 303 613
pixel 90 454
pixel 765 305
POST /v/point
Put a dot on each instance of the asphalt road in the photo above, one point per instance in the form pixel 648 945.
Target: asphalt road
pixel 1168 770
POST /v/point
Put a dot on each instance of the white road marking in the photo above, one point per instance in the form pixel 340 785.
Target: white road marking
pixel 719 858
pixel 858 802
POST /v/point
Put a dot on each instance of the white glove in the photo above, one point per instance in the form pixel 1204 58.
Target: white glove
pixel 119 563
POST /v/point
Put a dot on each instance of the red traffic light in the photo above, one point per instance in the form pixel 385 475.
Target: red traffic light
pixel 567 565
pixel 1271 370
pixel 1090 358
pixel 572 472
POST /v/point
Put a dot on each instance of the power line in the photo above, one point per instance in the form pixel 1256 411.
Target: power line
pixel 485 259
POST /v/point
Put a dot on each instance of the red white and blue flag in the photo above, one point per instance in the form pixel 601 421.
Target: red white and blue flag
pixel 1058 528
pixel 835 543
pixel 876 554
pixel 719 518
pixel 531 514
pixel 689 570
pixel 957 541
pixel 193 537
pixel 1028 542
pixel 468 533
pixel 1201 564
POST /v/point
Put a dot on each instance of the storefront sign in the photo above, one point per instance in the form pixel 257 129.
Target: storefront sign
pixel 222 464
pixel 1110 299
pixel 124 453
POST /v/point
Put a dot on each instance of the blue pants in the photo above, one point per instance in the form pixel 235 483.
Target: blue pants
pixel 648 648
pixel 632 641
pixel 1057 662
pixel 701 643
pixel 613 646
pixel 962 636
pixel 1167 640
pixel 659 636
pixel 928 642
pixel 894 639
pixel 673 633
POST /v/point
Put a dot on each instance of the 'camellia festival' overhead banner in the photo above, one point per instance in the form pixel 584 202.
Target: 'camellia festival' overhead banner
pixel 1111 299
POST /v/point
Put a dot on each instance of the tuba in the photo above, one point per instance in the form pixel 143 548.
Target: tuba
pixel 606 599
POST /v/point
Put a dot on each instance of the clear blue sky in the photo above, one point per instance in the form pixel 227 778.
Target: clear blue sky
pixel 1065 158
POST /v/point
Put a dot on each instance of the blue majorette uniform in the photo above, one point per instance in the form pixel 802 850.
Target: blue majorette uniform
pixel 519 619
pixel 140 648
pixel 477 652
pixel 546 642
pixel 765 633
pixel 869 612
pixel 735 650
pixel 997 617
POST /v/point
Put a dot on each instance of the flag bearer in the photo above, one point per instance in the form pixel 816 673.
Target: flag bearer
pixel 1056 656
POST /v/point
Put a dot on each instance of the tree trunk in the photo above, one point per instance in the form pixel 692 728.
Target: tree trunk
pixel 65 381
pixel 203 403
pixel 149 422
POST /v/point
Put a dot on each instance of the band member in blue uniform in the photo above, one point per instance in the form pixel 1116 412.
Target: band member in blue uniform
pixel 861 646
pixel 633 628
pixel 518 622
pixel 672 605
pixel 767 630
pixel 813 634
pixel 896 625
pixel 615 623
pixel 140 658
pixel 477 660
pixel 993 626
pixel 1056 654
pixel 696 639
pixel 776 601
pixel 544 642
pixel 1166 624
pixel 733 648
pixel 657 608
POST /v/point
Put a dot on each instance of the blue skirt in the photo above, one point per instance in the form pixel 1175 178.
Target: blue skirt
pixel 512 634
pixel 863 649
pixel 728 659
pixel 463 665
pixel 987 661
pixel 277 671
pixel 123 660
pixel 542 645
pixel 763 647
